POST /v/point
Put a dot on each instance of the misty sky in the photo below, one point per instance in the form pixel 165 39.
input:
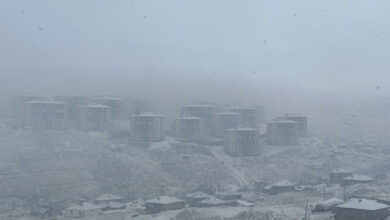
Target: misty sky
pixel 49 45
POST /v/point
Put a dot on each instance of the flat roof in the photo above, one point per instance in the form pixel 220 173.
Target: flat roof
pixel 46 102
pixel 188 118
pixel 147 114
pixel 242 129
pixel 93 106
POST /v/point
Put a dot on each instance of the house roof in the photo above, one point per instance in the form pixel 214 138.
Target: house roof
pixel 107 197
pixel 198 195
pixel 164 200
pixel 86 206
pixel 357 177
pixel 283 183
pixel 340 171
pixel 363 204
pixel 212 201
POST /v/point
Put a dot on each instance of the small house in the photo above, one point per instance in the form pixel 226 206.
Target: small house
pixel 84 209
pixel 229 195
pixel 362 209
pixel 163 203
pixel 212 202
pixel 194 198
pixel 281 186
pixel 356 178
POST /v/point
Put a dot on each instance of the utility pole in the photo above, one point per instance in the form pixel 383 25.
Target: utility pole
pixel 306 206
pixel 324 192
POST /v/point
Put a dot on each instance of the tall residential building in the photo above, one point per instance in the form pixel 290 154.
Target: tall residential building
pixel 116 105
pixel 18 105
pixel 199 110
pixel 72 108
pixel 281 132
pixel 249 116
pixel 46 115
pixel 301 121
pixel 147 127
pixel 242 142
pixel 95 118
pixel 189 127
pixel 224 121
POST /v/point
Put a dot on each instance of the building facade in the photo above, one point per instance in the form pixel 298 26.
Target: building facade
pixel 201 111
pixel 116 105
pixel 189 127
pixel 46 115
pixel 282 132
pixel 242 142
pixel 300 120
pixel 147 127
pixel 95 118
pixel 224 121
pixel 248 116
pixel 72 108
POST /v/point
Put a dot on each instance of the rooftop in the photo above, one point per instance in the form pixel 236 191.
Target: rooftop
pixel 164 200
pixel 94 106
pixel 212 201
pixel 84 207
pixel 363 204
pixel 283 183
pixel 198 195
pixel 358 177
pixel 107 197
pixel 45 102
pixel 147 114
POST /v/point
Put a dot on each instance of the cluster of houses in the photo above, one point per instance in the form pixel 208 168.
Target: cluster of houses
pixel 105 202
pixel 341 176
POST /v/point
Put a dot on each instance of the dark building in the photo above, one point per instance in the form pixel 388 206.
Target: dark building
pixel 361 209
pixel 336 176
pixel 164 203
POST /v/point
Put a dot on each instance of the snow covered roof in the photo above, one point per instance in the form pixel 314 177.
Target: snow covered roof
pixel 282 120
pixel 198 106
pixel 242 129
pixel 46 102
pixel 212 201
pixel 283 183
pixel 147 114
pixel 228 113
pixel 86 206
pixel 107 197
pixel 363 204
pixel 331 202
pixel 242 108
pixel 340 171
pixel 94 106
pixel 293 115
pixel 245 203
pixel 164 200
pixel 112 204
pixel 358 177
pixel 198 195
pixel 109 98
pixel 188 118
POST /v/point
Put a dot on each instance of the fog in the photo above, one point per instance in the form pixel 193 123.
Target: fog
pixel 327 60
pixel 120 46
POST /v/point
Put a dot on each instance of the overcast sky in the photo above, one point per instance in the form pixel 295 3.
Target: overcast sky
pixel 336 45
